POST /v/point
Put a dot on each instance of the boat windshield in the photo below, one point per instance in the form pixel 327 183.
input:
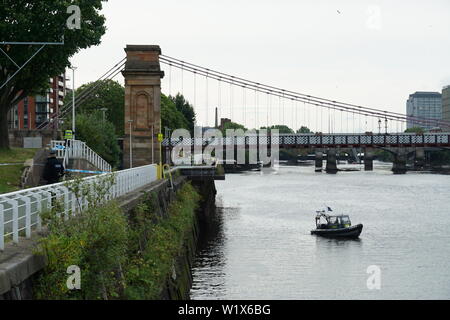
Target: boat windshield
pixel 345 219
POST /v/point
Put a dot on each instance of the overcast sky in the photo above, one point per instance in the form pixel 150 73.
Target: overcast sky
pixel 372 53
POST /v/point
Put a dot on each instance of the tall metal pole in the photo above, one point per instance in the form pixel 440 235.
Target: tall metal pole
pixel 153 143
pixel 73 102
pixel 131 148
pixel 104 113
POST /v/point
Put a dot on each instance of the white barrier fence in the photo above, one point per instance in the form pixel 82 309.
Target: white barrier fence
pixel 77 149
pixel 20 211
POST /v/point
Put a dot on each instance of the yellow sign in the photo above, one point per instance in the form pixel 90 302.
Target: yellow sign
pixel 160 137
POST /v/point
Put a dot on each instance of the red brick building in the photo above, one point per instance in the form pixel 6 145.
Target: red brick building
pixel 34 110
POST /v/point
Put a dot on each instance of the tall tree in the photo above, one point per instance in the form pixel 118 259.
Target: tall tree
pixel 41 21
pixel 108 94
pixel 185 108
pixel 171 117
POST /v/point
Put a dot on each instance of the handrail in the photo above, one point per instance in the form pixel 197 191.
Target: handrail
pixel 77 149
pixel 20 211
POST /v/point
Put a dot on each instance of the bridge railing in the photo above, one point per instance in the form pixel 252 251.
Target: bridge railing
pixel 20 211
pixel 77 149
pixel 318 140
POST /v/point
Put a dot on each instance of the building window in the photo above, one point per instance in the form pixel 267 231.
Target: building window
pixel 25 113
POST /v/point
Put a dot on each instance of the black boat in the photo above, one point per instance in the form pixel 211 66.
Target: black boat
pixel 338 226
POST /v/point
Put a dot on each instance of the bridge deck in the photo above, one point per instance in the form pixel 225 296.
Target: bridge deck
pixel 317 141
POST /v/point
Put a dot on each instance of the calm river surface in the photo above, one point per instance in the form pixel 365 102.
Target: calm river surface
pixel 260 245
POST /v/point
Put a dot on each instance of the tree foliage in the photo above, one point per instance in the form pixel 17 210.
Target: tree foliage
pixel 108 94
pixel 99 135
pixel 40 21
pixel 185 108
pixel 232 125
pixel 304 129
pixel 418 130
pixel 280 127
pixel 171 117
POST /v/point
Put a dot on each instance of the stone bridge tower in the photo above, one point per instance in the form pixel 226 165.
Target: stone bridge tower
pixel 142 105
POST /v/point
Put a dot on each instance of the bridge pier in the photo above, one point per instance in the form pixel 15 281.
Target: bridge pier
pixel 318 160
pixel 399 165
pixel 368 159
pixel 331 161
pixel 419 159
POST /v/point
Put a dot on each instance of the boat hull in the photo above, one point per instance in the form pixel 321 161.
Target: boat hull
pixel 349 233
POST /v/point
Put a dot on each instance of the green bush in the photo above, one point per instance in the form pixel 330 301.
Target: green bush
pixel 149 268
pixel 99 135
pixel 119 258
pixel 96 241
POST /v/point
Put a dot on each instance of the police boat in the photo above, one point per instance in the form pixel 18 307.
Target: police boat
pixel 338 226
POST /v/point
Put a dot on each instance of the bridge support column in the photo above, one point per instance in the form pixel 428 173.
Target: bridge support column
pixel 142 105
pixel 419 159
pixel 318 160
pixel 331 161
pixel 399 165
pixel 368 159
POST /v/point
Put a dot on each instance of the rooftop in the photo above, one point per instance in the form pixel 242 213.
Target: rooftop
pixel 425 94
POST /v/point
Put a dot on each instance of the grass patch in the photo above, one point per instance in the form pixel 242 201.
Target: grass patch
pixel 10 175
pixel 16 155
pixel 10 178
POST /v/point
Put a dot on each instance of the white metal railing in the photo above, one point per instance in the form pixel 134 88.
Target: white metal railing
pixel 20 211
pixel 77 149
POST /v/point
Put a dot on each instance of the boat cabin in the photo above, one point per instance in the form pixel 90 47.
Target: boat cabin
pixel 324 221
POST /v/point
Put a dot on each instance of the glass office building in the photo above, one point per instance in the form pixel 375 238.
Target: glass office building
pixel 446 106
pixel 424 105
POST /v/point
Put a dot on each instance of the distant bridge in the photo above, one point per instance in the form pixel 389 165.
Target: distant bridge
pixel 321 141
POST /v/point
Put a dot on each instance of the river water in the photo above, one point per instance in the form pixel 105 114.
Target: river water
pixel 260 247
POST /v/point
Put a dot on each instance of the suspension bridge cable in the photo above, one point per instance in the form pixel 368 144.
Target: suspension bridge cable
pixel 90 95
pixel 111 73
pixel 310 101
pixel 321 102
pixel 336 107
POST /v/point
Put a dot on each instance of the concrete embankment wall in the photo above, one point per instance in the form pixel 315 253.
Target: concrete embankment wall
pixel 20 267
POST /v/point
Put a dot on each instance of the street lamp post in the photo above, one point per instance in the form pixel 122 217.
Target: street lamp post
pixel 131 147
pixel 153 143
pixel 104 110
pixel 386 124
pixel 73 102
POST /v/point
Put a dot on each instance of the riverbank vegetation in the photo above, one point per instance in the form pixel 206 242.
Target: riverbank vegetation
pixel 120 256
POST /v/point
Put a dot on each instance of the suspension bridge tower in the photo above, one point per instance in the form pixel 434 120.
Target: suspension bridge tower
pixel 143 76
